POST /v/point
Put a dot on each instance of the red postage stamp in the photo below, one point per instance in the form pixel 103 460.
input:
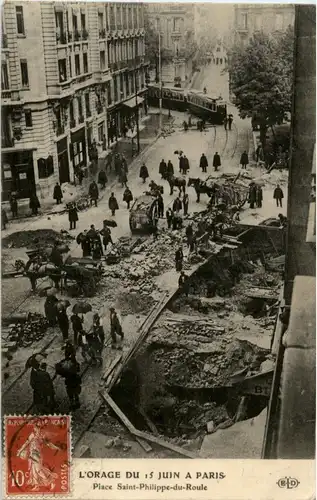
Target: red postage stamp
pixel 38 453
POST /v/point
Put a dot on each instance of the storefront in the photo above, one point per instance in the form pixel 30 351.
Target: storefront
pixel 63 163
pixel 113 125
pixel 17 174
pixel 78 149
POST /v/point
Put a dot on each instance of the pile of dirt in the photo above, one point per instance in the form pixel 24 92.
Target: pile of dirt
pixel 35 239
pixel 134 303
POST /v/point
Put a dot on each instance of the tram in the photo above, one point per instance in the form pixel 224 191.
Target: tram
pixel 210 109
pixel 172 97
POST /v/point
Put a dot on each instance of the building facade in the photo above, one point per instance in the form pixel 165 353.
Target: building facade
pixel 70 72
pixel 175 23
pixel 269 18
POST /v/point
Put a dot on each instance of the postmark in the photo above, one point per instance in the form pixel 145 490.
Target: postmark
pixel 37 454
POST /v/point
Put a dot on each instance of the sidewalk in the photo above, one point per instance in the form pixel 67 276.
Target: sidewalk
pixel 71 192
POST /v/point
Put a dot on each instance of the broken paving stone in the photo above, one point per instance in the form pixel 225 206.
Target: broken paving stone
pixel 210 427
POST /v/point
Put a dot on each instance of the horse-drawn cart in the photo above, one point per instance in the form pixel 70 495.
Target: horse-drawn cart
pixel 143 214
pixel 83 274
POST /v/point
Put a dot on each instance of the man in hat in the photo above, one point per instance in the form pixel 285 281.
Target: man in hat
pixel 115 327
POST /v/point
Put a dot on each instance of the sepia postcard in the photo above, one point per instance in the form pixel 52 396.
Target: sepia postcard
pixel 158 266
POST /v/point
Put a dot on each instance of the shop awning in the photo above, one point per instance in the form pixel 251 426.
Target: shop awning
pixel 131 102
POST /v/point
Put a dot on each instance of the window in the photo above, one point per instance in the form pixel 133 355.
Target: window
pixel 62 70
pixel 87 104
pixel 75 23
pixel 115 88
pixel 70 67
pixel 101 131
pixel 77 65
pixel 100 21
pixel 83 21
pixel 80 107
pixel 20 20
pixel 59 22
pixel 244 21
pixel 102 59
pixel 71 111
pixel 28 118
pixel 124 16
pixel 109 98
pixel 112 18
pixel 24 73
pixel 85 61
pixel 4 76
pixel 218 49
pixel 129 18
pixel 119 23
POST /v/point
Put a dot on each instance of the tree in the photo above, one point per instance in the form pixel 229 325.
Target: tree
pixel 152 47
pixel 261 79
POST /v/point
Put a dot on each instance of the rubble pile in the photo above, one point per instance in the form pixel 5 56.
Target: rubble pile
pixel 23 334
pixel 35 239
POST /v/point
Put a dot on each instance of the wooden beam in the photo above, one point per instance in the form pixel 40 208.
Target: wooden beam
pixel 149 422
pixel 146 447
pixel 111 367
pixel 143 435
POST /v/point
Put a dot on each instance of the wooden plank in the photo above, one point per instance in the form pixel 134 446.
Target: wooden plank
pixel 149 422
pixel 143 435
pixel 146 447
pixel 111 367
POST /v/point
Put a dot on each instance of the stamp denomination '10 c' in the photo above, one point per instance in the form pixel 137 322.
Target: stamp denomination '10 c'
pixel 38 452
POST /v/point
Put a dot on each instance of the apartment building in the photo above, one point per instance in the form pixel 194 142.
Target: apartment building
pixel 62 86
pixel 269 18
pixel 175 23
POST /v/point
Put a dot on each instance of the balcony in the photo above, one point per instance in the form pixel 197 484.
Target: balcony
pixel 122 64
pixel 61 37
pixel 113 66
pixel 7 142
pixel 131 63
pixel 60 130
pixel 81 119
pixel 72 123
pixel 102 33
pixel 77 36
pixel 6 94
pixel 85 35
pixel 4 41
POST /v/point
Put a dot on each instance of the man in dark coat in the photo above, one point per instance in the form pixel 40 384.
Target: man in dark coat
pixel 34 203
pixel 186 165
pixel 169 217
pixel 252 194
pixel 4 218
pixel 113 204
pixel 278 195
pixel 163 169
pixel 259 196
pixel 189 234
pixel 62 320
pixel 216 161
pixel 179 256
pixel 43 389
pixel 106 236
pixel 225 122
pixel 77 324
pixel 160 205
pixel 115 327
pixel 123 177
pixel 93 193
pixel 56 256
pixel 185 203
pixel 177 205
pixel 127 197
pixel 244 160
pixel 13 200
pixel 203 163
pixel 183 283
pixel 50 309
pixel 144 173
pixel 230 120
pixel 181 164
pixel 102 179
pixel 57 194
pixel 72 216
pixel 72 380
pixel 170 169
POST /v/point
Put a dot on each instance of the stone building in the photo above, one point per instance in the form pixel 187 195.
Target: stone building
pixel 269 18
pixel 69 76
pixel 175 22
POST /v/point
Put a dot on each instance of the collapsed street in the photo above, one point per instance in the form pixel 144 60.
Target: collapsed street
pixel 180 381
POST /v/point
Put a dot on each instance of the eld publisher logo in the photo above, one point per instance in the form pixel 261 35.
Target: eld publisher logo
pixel 288 483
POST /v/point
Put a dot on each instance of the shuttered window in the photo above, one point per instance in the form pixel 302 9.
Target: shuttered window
pixel 24 73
